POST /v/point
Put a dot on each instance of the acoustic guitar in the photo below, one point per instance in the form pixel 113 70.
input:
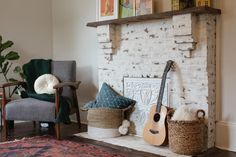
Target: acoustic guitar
pixel 155 130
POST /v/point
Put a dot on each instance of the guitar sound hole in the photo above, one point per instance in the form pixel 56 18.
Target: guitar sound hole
pixel 156 117
pixel 154 131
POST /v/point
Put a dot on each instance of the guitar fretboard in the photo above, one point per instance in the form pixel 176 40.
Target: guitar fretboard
pixel 162 87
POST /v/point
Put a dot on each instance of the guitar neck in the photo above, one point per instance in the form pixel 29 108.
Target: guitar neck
pixel 161 92
pixel 163 82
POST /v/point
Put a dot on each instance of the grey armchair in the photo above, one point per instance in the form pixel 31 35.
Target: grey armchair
pixel 30 109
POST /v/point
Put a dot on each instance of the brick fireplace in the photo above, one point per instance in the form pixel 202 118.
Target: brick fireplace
pixel 141 50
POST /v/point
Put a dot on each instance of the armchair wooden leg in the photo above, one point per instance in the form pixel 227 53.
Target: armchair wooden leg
pixel 5 129
pixel 3 114
pixel 34 123
pixel 58 131
pixel 78 117
pixel 77 108
pixel 10 124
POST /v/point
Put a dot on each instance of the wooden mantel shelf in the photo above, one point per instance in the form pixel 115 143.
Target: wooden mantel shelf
pixel 163 15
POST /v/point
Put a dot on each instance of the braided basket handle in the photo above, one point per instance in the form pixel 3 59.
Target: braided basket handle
pixel 200 117
pixel 170 114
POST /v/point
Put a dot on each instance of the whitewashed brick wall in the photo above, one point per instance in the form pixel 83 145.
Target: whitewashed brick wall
pixel 142 49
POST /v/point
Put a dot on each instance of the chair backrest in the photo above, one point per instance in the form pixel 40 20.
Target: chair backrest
pixel 65 71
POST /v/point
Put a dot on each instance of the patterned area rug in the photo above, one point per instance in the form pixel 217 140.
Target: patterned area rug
pixel 46 146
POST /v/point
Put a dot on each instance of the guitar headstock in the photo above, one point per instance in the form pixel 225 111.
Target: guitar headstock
pixel 169 65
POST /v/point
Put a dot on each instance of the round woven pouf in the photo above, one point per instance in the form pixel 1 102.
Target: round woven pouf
pixel 104 123
pixel 187 137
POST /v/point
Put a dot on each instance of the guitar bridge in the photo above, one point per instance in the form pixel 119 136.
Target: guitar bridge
pixel 154 131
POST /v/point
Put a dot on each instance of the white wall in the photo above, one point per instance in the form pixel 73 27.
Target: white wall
pixel 227 47
pixel 72 40
pixel 28 23
pixel 226 125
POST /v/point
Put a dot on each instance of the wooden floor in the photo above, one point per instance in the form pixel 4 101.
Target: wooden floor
pixel 27 130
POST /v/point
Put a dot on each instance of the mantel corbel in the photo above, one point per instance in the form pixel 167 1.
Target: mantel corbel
pixel 106 39
pixel 184 33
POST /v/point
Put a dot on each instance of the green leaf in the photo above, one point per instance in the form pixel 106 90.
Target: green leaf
pixel 0 44
pixel 2 60
pixel 17 69
pixel 5 66
pixel 12 56
pixel 6 45
pixel 8 68
pixel 12 80
pixel 22 75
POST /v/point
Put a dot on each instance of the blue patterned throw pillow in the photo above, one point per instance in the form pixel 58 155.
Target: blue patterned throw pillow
pixel 108 98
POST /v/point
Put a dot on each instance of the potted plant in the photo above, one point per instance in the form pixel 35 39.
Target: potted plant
pixel 6 61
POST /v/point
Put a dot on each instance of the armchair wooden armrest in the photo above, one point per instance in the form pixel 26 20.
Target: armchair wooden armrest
pixel 74 85
pixel 3 93
pixel 9 84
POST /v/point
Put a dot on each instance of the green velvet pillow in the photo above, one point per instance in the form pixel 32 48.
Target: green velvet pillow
pixel 108 98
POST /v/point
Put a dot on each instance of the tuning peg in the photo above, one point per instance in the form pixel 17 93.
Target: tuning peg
pixel 173 66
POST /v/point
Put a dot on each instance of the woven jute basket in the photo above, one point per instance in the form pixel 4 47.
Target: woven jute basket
pixel 187 137
pixel 105 117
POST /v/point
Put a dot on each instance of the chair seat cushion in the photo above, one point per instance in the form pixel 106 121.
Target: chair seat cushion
pixel 30 109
